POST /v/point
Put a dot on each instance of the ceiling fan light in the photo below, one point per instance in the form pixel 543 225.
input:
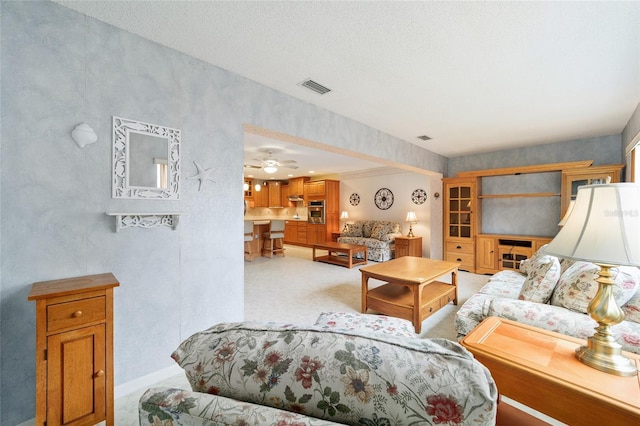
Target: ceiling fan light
pixel 270 169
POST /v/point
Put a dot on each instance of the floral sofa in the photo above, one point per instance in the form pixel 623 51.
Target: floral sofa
pixel 273 374
pixel 553 294
pixel 377 235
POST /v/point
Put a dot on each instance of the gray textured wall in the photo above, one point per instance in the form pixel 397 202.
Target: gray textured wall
pixel 60 68
pixel 537 216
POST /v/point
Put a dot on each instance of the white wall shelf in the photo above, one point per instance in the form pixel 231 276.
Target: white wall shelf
pixel 145 220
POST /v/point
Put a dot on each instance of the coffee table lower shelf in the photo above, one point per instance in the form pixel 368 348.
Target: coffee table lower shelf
pixel 398 300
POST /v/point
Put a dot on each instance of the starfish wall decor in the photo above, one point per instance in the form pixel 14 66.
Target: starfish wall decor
pixel 202 174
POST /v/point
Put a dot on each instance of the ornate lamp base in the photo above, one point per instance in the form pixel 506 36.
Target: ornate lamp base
pixel 410 234
pixel 602 351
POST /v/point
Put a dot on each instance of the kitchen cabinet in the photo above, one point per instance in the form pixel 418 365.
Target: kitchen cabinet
pixel 261 198
pixel 316 234
pixel 314 188
pixel 302 233
pixel 74 350
pixel 275 194
pixel 408 246
pixel 296 185
pixel 291 232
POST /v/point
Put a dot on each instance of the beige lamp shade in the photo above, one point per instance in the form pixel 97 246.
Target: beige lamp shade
pixel 344 215
pixel 411 217
pixel 603 227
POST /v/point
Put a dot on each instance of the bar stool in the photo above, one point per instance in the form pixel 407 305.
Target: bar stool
pixel 274 236
pixel 248 239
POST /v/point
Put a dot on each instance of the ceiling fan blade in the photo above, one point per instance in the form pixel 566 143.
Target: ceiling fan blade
pixel 288 161
pixel 251 166
pixel 287 166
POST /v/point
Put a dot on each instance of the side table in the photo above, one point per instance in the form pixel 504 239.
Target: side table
pixel 538 368
pixel 408 246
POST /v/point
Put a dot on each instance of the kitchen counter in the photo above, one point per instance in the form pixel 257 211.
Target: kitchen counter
pixel 266 219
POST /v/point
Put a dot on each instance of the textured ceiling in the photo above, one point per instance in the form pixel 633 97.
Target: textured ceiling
pixel 474 76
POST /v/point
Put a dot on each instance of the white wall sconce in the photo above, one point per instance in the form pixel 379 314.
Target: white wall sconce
pixel 84 135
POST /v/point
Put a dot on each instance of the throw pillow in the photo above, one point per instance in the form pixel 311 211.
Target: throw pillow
pixel 367 226
pixel 577 285
pixel 353 230
pixel 543 275
pixel 380 230
pixel 631 309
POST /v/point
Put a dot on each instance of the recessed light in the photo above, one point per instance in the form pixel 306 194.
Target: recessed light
pixel 311 171
pixel 289 175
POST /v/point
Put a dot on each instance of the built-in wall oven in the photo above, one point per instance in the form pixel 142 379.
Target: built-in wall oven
pixel 316 212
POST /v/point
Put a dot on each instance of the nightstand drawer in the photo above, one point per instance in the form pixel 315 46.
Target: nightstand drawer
pixel 76 313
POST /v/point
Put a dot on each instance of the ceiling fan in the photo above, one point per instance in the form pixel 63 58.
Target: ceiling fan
pixel 270 164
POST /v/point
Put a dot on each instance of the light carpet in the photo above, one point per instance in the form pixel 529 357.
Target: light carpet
pixel 295 289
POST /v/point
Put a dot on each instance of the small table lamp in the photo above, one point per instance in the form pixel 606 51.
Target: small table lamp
pixel 411 218
pixel 603 228
pixel 344 216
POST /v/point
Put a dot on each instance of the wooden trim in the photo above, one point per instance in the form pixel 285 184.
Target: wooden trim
pixel 538 168
pixel 523 195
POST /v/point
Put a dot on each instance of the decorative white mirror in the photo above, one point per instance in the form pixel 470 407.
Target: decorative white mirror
pixel 146 160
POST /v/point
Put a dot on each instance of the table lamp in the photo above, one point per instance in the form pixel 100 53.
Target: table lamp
pixel 603 228
pixel 344 216
pixel 411 218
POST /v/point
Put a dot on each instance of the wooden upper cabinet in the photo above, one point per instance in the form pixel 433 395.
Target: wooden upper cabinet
pixel 296 185
pixel 275 194
pixel 314 188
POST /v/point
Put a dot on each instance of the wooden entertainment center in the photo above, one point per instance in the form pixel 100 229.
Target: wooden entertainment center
pixel 486 253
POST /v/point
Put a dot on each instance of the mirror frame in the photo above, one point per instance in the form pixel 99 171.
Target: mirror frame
pixel 122 127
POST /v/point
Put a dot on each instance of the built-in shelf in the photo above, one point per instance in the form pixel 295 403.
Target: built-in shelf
pixel 524 195
pixel 145 220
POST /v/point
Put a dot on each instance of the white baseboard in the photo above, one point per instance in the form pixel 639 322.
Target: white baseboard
pixel 144 382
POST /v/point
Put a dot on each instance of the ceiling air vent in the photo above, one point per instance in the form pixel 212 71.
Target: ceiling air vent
pixel 424 137
pixel 316 87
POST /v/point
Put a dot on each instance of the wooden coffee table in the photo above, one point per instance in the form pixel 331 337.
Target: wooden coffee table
pixel 335 249
pixel 538 368
pixel 412 291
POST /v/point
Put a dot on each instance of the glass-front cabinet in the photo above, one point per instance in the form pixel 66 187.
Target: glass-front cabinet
pixel 460 200
pixel 574 178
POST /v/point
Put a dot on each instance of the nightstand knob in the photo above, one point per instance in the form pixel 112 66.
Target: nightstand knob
pixel 76 314
pixel 458 247
pixel 98 373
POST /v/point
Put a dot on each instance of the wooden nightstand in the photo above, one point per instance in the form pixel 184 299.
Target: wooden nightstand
pixel 538 368
pixel 74 350
pixel 408 246
pixel 334 236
